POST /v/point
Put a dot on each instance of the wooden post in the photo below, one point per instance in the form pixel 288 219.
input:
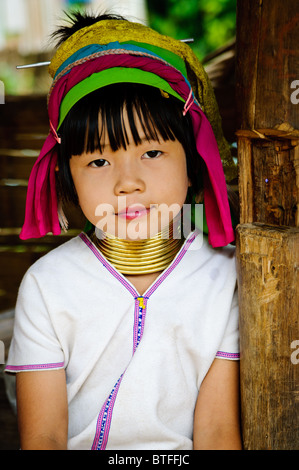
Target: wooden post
pixel 268 234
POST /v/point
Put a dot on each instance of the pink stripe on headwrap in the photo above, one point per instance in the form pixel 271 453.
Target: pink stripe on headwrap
pixel 189 103
pixel 53 130
pixel 41 207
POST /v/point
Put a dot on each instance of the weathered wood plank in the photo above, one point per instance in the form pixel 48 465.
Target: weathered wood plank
pixel 267 53
pixel 268 188
pixel 268 263
pixel 268 237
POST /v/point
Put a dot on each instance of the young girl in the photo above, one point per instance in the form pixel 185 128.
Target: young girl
pixel 126 337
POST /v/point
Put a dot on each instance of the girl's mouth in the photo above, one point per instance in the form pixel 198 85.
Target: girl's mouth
pixel 132 212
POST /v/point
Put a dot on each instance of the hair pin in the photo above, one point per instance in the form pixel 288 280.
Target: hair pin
pixel 187 40
pixel 42 64
pixel 38 64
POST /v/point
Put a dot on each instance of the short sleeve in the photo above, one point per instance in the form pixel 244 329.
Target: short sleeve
pixel 34 345
pixel 230 347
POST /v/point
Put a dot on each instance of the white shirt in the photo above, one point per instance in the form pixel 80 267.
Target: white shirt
pixel 134 364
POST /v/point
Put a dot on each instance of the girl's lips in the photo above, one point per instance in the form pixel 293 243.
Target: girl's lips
pixel 134 212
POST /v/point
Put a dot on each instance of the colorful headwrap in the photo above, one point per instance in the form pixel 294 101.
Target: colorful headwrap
pixel 114 51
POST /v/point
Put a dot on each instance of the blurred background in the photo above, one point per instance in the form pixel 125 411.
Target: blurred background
pixel 26 26
pixel 25 30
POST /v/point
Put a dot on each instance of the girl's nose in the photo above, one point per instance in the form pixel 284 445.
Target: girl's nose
pixel 129 179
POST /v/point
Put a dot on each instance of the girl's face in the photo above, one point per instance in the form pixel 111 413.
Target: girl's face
pixel 132 193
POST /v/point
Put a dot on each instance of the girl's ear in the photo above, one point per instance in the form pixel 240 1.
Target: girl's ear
pixel 56 168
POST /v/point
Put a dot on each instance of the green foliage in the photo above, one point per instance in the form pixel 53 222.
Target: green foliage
pixel 211 23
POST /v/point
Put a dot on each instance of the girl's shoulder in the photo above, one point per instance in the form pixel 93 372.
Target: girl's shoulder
pixel 64 254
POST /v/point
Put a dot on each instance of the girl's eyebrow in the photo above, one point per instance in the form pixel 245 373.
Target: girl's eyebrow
pixel 142 140
pixel 145 140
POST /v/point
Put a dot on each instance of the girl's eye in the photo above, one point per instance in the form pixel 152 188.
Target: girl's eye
pixel 152 154
pixel 98 163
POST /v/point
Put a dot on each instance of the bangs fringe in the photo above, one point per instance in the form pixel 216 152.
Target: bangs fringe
pixel 101 115
pixel 110 106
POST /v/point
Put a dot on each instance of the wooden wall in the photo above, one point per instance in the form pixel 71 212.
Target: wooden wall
pixel 268 236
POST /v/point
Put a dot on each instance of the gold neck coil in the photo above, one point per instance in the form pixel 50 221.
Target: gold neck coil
pixel 133 257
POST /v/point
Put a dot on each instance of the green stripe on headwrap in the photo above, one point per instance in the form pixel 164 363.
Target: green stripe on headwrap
pixel 170 57
pixel 109 77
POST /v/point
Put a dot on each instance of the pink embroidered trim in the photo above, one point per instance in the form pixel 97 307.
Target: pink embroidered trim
pixel 228 355
pixel 54 365
pixel 105 263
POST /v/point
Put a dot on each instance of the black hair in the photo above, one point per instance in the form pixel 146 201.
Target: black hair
pixel 161 118
pixel 78 20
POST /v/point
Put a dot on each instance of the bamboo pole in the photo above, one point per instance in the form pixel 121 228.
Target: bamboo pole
pixel 268 234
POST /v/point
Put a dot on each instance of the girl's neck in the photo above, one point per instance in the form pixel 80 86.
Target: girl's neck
pixel 141 261
pixel 142 282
